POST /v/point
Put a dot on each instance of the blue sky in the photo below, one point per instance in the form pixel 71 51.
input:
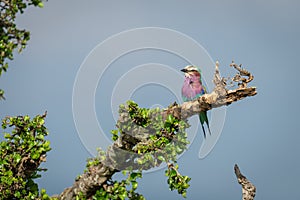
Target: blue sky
pixel 260 133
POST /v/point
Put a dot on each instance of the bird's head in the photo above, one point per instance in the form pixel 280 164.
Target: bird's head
pixel 191 70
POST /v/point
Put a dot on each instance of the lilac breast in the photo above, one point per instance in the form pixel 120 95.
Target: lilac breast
pixel 192 88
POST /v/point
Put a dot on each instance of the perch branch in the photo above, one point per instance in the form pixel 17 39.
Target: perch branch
pixel 117 156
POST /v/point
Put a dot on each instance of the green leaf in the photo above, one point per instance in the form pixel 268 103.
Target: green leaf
pixel 122 196
pixel 17 158
pixel 134 185
pixel 7 136
pixel 134 176
pixel 172 173
pixel 41 5
pixel 170 119
pixel 26 118
pixel 178 149
pixel 161 158
pixel 18 194
pixel 35 155
pixel 115 135
pixel 140 161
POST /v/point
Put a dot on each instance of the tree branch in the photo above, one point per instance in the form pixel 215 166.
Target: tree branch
pixel 248 189
pixel 121 154
pixel 220 96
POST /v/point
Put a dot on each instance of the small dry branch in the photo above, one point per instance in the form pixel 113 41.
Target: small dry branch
pixel 248 189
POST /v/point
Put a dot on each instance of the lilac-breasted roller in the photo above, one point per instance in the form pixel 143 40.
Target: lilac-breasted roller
pixel 192 89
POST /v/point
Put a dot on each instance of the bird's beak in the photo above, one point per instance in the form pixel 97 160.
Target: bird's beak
pixel 183 70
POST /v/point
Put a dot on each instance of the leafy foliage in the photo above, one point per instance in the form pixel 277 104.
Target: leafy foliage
pixel 146 139
pixel 121 189
pixel 11 37
pixel 21 154
pixel 176 180
pixel 154 140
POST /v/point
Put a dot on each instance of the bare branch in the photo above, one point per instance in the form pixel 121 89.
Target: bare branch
pixel 242 72
pixel 248 189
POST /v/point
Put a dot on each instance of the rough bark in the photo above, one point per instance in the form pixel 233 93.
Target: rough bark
pixel 248 189
pixel 97 176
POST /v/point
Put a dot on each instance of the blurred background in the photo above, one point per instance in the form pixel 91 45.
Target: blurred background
pixel 260 133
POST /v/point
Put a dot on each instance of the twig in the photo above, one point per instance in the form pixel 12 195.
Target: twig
pixel 242 72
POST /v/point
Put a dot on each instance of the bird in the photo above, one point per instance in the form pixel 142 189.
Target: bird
pixel 192 89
